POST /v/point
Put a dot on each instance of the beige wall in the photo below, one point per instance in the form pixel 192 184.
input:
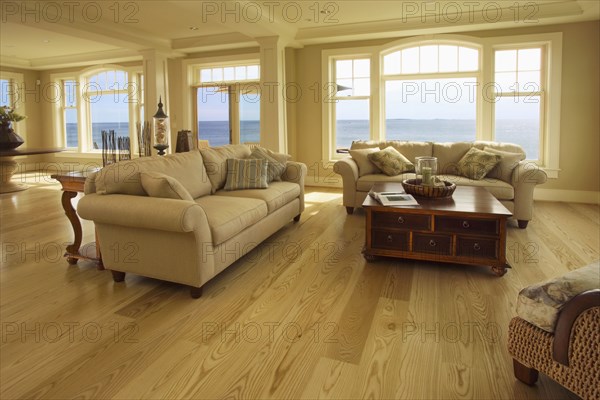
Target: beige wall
pixel 579 160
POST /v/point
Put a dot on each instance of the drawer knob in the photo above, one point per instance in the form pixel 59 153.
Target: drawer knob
pixel 466 225
pixel 389 238
pixel 432 243
pixel 400 220
pixel 476 247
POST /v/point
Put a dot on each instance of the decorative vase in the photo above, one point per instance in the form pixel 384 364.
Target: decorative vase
pixel 9 139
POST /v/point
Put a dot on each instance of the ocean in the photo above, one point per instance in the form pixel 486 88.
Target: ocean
pixel 523 132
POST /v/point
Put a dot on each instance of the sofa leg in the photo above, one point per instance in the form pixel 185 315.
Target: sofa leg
pixel 350 210
pixel 522 223
pixel 118 276
pixel 297 218
pixel 525 374
pixel 195 292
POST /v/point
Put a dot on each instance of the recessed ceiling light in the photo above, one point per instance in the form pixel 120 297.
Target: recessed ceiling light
pixel 46 41
pixel 326 11
pixel 193 28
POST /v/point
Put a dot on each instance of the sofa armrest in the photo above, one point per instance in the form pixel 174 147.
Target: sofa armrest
pixel 566 319
pixel 525 177
pixel 348 169
pixel 296 172
pixel 141 212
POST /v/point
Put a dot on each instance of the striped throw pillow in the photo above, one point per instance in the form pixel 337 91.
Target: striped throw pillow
pixel 246 174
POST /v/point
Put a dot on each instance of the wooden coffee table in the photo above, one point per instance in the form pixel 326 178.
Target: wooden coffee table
pixel 468 228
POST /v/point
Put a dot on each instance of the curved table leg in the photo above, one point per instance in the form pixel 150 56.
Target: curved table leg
pixel 72 249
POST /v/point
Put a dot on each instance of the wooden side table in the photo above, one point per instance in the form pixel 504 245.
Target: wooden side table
pixel 8 167
pixel 73 183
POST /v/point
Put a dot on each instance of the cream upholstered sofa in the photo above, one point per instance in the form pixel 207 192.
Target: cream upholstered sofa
pixel 185 241
pixel 512 182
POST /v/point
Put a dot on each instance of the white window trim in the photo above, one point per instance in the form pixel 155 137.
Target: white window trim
pixel 191 67
pixel 550 146
pixel 83 114
pixel 18 80
pixel 328 57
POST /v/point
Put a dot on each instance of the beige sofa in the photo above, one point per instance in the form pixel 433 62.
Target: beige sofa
pixel 185 241
pixel 515 191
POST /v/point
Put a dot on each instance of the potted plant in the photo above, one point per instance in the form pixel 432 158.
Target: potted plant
pixel 9 139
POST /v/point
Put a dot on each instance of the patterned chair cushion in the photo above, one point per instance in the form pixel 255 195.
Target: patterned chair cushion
pixel 541 303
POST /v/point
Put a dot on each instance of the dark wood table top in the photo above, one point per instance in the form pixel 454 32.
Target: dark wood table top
pixel 29 152
pixel 466 199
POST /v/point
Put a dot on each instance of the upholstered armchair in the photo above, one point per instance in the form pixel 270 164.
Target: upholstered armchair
pixel 557 332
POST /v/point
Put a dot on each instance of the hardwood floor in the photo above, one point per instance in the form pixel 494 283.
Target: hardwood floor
pixel 301 316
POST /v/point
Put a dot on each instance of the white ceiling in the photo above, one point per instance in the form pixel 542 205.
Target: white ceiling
pixel 47 35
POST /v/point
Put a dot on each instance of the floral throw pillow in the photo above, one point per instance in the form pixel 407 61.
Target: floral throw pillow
pixel 391 161
pixel 477 163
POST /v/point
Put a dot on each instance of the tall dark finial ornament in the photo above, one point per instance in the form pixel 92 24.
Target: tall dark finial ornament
pixel 161 129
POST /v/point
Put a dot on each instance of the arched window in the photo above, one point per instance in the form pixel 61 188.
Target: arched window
pixel 430 93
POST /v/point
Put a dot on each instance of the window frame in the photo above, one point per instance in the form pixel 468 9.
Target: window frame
pixel 485 117
pixel 17 81
pixel 84 130
pixel 191 71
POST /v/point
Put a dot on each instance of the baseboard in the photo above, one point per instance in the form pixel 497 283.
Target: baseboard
pixel 569 196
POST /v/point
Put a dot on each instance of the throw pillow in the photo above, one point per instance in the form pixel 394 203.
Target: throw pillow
pixel 365 166
pixel 246 174
pixel 508 162
pixel 157 184
pixel 274 167
pixel 477 163
pixel 215 161
pixel 391 161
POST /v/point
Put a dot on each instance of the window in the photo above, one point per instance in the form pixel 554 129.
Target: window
pixel 448 88
pixel 95 101
pixel 518 101
pixel 5 92
pixel 227 103
pixel 442 107
pixel 69 105
pixel 10 95
pixel 352 94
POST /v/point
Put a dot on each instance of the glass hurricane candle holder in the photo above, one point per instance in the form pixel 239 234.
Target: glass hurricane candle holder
pixel 426 169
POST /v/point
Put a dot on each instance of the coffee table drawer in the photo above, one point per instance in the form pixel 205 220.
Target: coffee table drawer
pixel 436 244
pixel 466 225
pixel 476 248
pixel 391 240
pixel 401 221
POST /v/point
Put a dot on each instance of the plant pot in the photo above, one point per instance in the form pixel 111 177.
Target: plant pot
pixel 9 139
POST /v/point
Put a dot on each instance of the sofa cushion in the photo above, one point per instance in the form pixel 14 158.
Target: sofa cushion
pixel 541 303
pixel 275 168
pixel 228 216
pixel 391 161
pixel 499 189
pixel 157 184
pixel 246 174
pixel 508 162
pixel 124 177
pixel 508 147
pixel 276 195
pixel 449 154
pixel 410 150
pixel 477 163
pixel 365 166
pixel 215 161
pixel 365 183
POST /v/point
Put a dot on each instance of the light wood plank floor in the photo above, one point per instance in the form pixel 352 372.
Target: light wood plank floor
pixel 301 316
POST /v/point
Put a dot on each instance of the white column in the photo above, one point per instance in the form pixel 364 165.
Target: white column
pixel 156 86
pixel 273 132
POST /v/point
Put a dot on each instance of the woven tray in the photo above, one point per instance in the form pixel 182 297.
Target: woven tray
pixel 414 187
